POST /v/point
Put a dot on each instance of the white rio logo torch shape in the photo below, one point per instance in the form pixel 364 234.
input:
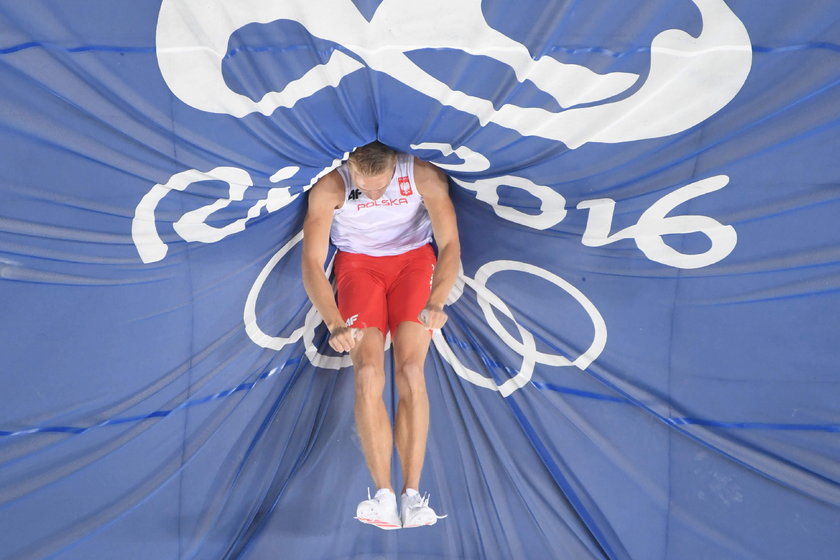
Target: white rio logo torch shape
pixel 690 78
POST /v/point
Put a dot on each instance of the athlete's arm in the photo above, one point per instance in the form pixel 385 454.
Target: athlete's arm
pixel 324 197
pixel 434 187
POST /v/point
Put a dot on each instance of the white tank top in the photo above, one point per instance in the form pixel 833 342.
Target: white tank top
pixel 390 225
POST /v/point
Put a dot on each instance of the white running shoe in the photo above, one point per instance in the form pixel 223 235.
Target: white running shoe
pixel 380 511
pixel 415 511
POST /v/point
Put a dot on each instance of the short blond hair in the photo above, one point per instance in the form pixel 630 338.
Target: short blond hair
pixel 372 159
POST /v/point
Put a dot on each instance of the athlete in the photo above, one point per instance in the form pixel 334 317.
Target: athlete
pixel 381 209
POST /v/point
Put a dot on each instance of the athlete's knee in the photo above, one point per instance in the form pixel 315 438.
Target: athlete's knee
pixel 410 379
pixel 370 381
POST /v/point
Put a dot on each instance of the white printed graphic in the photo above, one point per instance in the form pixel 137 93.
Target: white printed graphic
pixel 552 203
pixel 470 161
pixel 647 233
pixel 690 78
pixel 192 226
pixel 306 332
pixel 144 226
pixel 654 223
pixel 527 347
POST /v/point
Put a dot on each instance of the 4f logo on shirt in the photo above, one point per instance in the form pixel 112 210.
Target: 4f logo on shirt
pixel 405 186
pixel 354 194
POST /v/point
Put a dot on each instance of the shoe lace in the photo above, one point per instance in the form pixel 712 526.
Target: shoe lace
pixel 424 502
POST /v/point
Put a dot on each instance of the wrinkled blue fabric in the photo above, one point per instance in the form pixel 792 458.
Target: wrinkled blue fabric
pixel 641 356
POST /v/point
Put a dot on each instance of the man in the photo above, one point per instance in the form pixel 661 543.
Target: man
pixel 381 209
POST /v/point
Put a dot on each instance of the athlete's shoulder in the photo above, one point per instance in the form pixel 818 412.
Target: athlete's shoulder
pixel 328 191
pixel 429 178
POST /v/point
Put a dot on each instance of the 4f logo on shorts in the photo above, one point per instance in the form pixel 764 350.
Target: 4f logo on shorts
pixel 351 320
pixel 405 186
pixel 354 194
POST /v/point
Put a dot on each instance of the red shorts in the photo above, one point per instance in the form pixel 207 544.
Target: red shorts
pixel 383 292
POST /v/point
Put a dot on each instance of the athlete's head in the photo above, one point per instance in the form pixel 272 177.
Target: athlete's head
pixel 372 168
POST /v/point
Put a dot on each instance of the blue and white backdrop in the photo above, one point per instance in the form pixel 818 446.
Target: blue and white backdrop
pixel 642 355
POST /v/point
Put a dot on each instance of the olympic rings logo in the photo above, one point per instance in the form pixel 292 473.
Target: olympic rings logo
pixel 306 332
pixel 487 300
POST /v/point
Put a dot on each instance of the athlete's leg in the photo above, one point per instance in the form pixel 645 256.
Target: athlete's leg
pixel 362 302
pixel 407 296
pixel 411 343
pixel 372 420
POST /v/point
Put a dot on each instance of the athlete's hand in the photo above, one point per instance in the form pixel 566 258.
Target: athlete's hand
pixel 343 339
pixel 433 316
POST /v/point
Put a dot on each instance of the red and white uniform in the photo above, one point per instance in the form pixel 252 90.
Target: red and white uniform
pixel 394 223
pixel 385 262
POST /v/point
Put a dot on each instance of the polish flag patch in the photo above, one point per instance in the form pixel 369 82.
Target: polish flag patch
pixel 405 186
